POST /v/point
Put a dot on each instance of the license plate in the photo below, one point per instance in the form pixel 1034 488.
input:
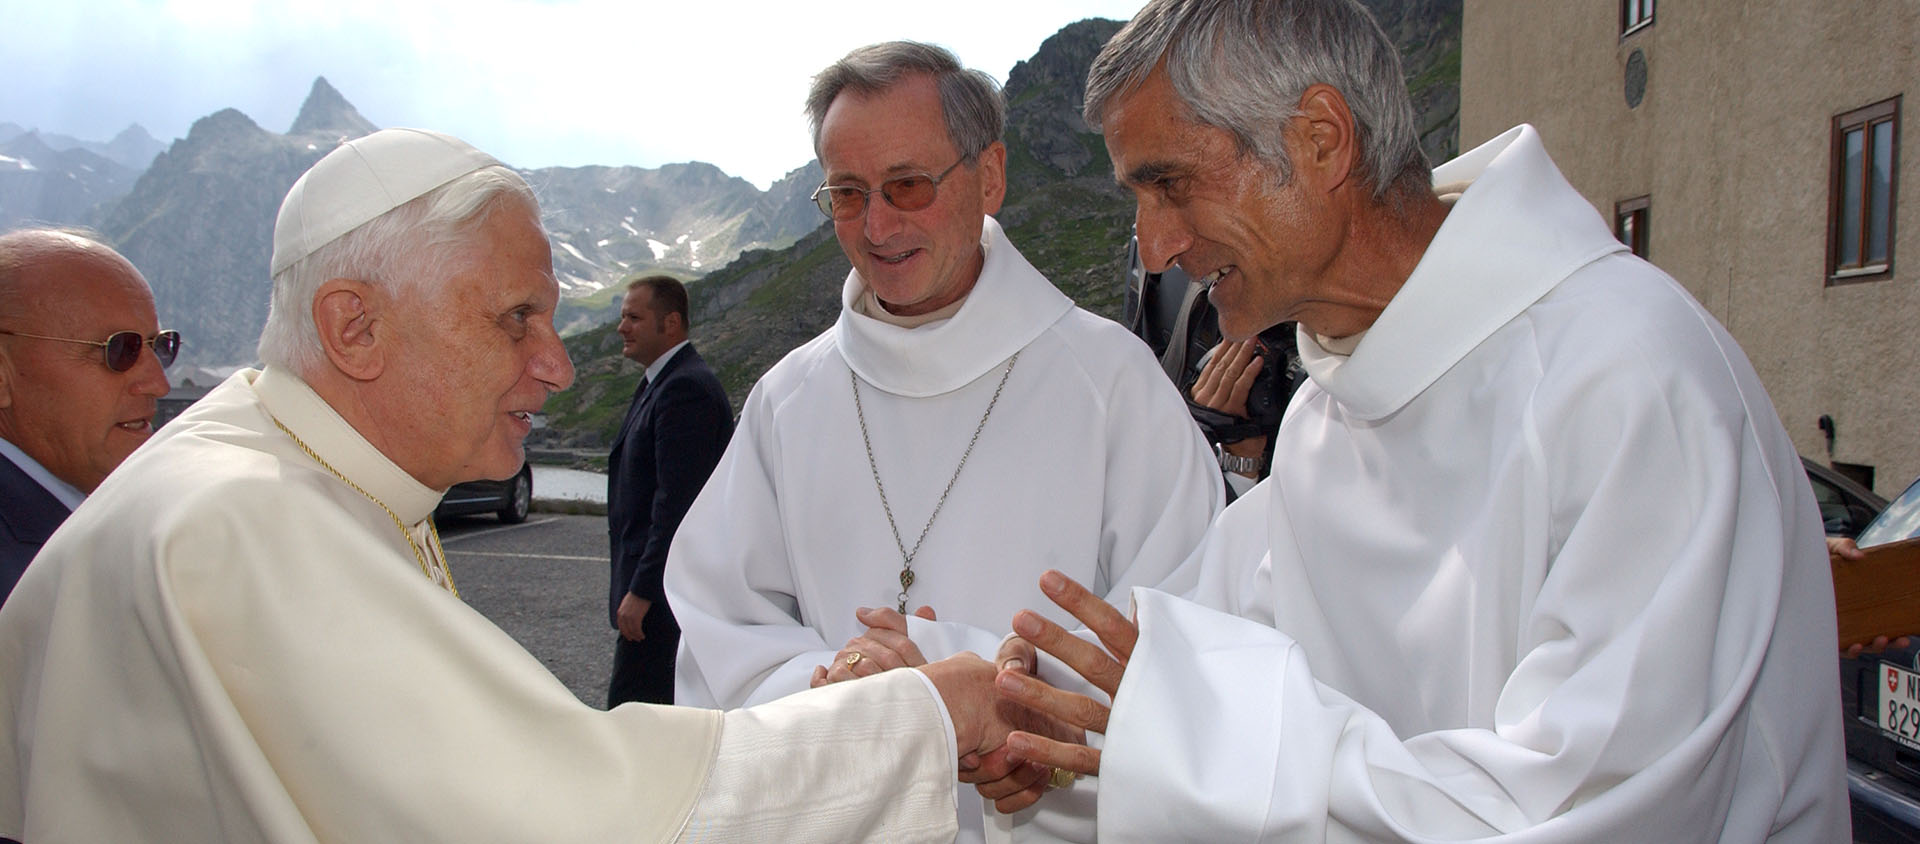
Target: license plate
pixel 1900 703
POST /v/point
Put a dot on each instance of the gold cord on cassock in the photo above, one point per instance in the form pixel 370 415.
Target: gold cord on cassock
pixel 432 532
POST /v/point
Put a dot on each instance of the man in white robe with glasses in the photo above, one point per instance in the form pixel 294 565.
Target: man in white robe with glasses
pixel 249 632
pixel 896 485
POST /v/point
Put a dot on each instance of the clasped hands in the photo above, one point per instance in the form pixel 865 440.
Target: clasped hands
pixel 1014 729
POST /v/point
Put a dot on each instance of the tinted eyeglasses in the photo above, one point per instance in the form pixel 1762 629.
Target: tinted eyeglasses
pixel 122 350
pixel 911 192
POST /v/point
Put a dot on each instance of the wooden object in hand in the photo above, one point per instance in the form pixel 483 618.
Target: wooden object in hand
pixel 1879 595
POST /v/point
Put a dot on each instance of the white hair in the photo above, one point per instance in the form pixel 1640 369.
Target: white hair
pixel 412 249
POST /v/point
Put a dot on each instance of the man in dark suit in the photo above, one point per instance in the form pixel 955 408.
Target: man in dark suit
pixel 672 437
pixel 78 387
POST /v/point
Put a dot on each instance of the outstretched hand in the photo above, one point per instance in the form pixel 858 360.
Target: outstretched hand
pixel 965 683
pixel 1103 668
pixel 1010 782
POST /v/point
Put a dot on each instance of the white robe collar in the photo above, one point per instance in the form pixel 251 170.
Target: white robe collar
pixel 1009 307
pixel 315 422
pixel 1513 235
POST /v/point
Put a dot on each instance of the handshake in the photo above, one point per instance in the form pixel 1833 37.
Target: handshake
pixel 1017 735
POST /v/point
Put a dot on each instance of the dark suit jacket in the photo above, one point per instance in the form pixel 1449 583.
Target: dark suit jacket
pixel 28 515
pixel 673 436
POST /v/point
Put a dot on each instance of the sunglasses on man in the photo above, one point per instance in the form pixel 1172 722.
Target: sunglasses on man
pixel 910 192
pixel 122 350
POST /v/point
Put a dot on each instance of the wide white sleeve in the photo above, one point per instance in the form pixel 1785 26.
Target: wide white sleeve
pixel 730 583
pixel 1635 708
pixel 1162 486
pixel 870 760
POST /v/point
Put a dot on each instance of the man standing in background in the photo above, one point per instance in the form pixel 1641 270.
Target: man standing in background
pixel 674 433
pixel 77 387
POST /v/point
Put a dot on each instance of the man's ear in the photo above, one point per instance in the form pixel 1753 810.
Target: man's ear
pixel 350 320
pixel 1327 145
pixel 993 176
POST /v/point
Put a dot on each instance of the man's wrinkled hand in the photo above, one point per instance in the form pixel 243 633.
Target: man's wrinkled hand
pixel 883 647
pixel 966 686
pixel 1103 668
pixel 1011 783
pixel 633 611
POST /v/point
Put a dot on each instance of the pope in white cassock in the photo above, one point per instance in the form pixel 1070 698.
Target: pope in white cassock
pixel 959 430
pixel 249 631
pixel 1536 561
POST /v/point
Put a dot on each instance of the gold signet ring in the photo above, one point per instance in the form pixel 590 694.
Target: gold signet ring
pixel 854 658
pixel 1061 778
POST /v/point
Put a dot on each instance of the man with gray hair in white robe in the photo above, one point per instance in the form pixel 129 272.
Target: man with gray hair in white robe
pixel 249 632
pixel 1536 563
pixel 896 485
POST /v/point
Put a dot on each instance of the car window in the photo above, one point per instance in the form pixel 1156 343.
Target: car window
pixel 1901 520
pixel 1833 506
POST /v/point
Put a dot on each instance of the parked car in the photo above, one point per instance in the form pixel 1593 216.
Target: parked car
pixel 1880 692
pixel 1845 506
pixel 510 499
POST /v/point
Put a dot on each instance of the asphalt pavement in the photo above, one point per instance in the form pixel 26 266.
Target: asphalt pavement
pixel 543 581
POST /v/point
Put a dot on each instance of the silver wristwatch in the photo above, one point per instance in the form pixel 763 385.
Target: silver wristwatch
pixel 1249 466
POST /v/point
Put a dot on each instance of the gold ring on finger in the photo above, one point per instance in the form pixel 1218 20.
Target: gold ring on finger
pixel 1061 778
pixel 854 658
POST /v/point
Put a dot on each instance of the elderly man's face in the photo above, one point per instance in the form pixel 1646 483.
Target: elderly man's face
pixel 58 401
pixel 481 355
pixel 1218 214
pixel 915 261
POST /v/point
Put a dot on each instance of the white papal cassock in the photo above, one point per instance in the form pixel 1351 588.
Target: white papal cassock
pixel 226 643
pixel 1089 464
pixel 1538 563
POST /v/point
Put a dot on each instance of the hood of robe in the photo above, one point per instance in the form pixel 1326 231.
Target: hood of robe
pixel 1513 235
pixel 1010 306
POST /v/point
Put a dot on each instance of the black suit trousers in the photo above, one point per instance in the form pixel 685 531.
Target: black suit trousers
pixel 643 670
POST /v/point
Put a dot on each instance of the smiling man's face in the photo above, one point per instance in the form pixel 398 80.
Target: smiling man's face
pixel 1264 248
pixel 915 261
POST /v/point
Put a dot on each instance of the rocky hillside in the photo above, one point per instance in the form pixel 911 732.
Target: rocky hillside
pixel 1063 210
pixel 199 221
pixel 687 220
pixel 41 182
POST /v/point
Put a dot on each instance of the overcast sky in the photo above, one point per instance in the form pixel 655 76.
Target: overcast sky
pixel 566 82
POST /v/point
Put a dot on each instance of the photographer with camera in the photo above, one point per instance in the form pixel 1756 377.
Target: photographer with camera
pixel 1236 390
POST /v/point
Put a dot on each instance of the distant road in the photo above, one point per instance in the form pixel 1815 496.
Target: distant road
pixel 545 583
